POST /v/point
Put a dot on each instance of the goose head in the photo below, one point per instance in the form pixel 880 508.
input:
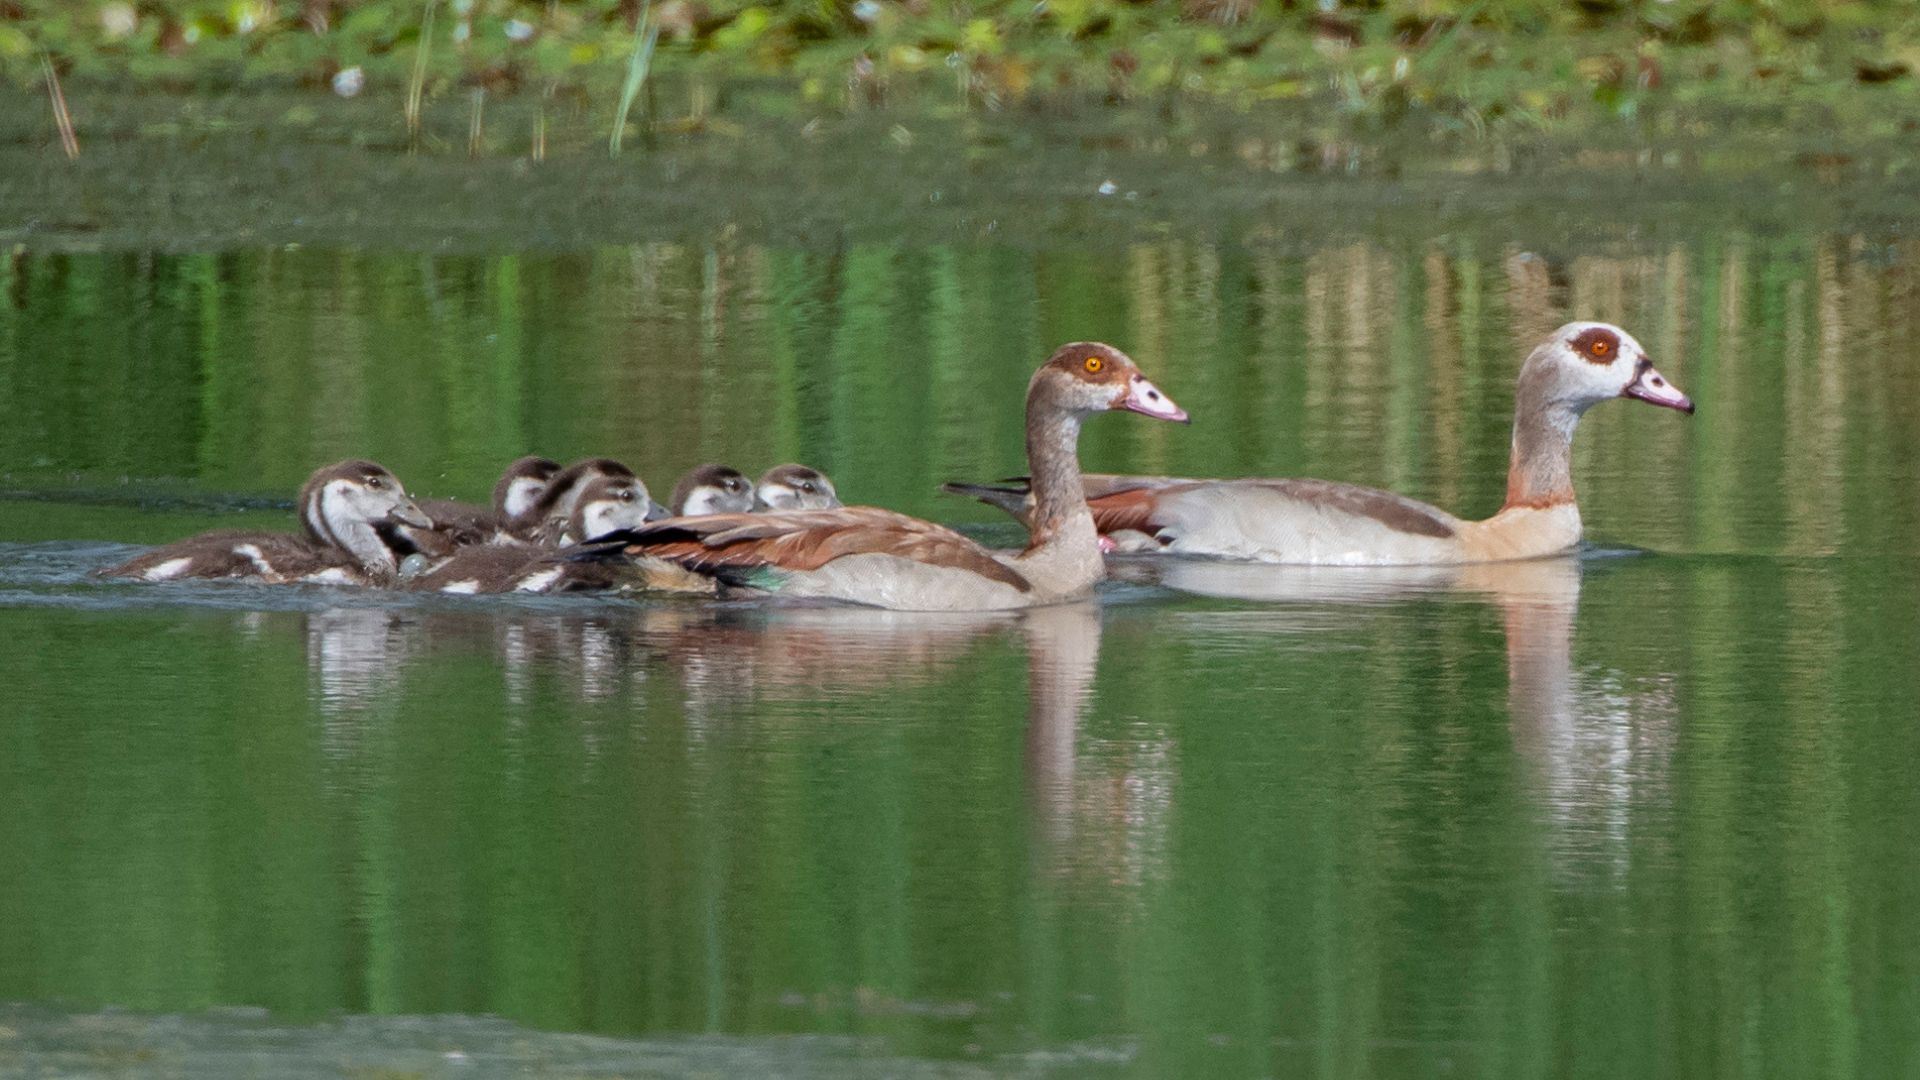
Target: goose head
pixel 795 487
pixel 610 503
pixel 520 486
pixel 1584 363
pixel 712 489
pixel 1086 377
pixel 353 506
pixel 561 495
pixel 354 494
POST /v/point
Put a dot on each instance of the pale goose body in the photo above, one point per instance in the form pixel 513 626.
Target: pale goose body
pixel 346 510
pixel 1318 522
pixel 867 555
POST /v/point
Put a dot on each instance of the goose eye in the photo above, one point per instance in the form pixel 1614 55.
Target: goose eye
pixel 1600 347
pixel 1094 365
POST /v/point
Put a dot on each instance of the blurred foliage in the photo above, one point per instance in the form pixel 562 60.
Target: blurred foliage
pixel 1464 62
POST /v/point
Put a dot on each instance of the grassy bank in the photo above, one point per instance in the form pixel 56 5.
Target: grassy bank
pixel 1433 66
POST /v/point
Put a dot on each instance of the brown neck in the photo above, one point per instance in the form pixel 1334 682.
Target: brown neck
pixel 1540 472
pixel 1053 457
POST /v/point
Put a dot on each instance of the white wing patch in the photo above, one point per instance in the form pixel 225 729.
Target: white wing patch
pixel 253 554
pixel 461 588
pixel 170 569
pixel 330 576
pixel 539 582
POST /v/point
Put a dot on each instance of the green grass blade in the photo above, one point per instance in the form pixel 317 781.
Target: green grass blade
pixel 645 34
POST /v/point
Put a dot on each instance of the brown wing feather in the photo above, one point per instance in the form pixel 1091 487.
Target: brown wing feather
pixel 810 539
pixel 1125 509
pixel 1394 511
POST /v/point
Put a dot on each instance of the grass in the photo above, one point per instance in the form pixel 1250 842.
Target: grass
pixel 646 36
pixel 1444 68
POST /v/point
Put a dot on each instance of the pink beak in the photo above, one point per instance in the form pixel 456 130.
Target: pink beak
pixel 1146 399
pixel 1651 387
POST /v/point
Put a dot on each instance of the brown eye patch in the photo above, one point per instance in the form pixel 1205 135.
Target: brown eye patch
pixel 1596 345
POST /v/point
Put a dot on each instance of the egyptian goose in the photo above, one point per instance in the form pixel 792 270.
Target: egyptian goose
pixel 545 522
pixel 604 504
pixel 711 489
pixel 795 487
pixel 865 555
pixel 1318 522
pixel 459 524
pixel 344 509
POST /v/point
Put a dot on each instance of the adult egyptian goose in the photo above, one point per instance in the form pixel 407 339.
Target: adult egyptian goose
pixel 795 487
pixel 459 524
pixel 604 504
pixel 1318 522
pixel 711 489
pixel 865 555
pixel 344 510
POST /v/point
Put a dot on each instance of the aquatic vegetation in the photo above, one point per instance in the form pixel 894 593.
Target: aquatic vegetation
pixel 1456 64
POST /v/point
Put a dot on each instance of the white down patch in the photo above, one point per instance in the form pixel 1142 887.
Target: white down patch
pixel 539 582
pixel 170 569
pixel 253 554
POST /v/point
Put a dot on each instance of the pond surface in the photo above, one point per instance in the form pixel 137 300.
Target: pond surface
pixel 1649 812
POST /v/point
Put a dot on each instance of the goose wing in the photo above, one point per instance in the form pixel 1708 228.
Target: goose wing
pixel 803 540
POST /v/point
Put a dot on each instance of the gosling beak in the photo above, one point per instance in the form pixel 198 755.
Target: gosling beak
pixel 1651 387
pixel 656 512
pixel 408 514
pixel 1146 399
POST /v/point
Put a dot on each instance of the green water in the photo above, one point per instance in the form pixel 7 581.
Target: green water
pixel 1649 812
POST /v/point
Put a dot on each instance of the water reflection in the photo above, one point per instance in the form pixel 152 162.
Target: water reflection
pixel 1598 739
pixel 1099 807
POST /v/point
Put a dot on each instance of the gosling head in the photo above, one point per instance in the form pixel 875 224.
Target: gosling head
pixel 608 504
pixel 712 489
pixel 520 486
pixel 355 494
pixel 795 487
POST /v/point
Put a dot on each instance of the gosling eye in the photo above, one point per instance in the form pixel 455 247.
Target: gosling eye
pixel 807 486
pixel 376 482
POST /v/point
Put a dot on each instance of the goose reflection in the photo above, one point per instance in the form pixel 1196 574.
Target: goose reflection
pixel 785 651
pixel 1100 805
pixel 355 653
pixel 1598 740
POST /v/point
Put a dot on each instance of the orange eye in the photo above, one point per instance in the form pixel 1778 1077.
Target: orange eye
pixel 1600 347
pixel 1095 365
